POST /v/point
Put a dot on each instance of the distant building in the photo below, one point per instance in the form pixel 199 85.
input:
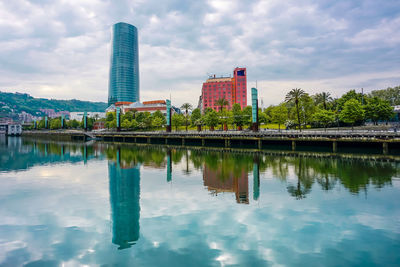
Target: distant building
pixel 234 90
pixel 11 128
pixel 79 115
pixel 146 106
pixel 124 68
pixel 396 110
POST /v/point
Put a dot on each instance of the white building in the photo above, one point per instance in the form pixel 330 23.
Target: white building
pixel 79 115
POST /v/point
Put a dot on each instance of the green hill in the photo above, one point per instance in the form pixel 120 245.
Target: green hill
pixel 18 102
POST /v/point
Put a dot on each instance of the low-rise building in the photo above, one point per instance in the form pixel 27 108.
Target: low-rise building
pixel 79 115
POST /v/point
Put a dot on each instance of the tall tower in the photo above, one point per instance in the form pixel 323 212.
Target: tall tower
pixel 124 66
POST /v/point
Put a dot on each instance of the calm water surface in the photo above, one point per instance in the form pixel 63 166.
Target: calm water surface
pixel 70 204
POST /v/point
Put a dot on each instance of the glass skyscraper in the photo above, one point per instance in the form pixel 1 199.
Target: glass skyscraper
pixel 124 66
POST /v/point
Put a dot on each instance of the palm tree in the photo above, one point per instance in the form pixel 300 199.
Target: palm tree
pixel 323 98
pixel 186 107
pixel 294 96
pixel 222 102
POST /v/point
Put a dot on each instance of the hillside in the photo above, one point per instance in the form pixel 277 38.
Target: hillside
pixel 17 102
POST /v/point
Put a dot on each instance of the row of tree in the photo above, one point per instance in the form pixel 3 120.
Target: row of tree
pixel 298 110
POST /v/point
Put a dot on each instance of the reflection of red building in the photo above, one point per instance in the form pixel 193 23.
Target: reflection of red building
pixel 217 181
pixel 234 90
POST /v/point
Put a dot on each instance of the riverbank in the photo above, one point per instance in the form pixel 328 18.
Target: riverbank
pixel 383 142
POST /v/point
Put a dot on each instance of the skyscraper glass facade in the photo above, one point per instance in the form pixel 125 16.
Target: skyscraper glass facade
pixel 124 66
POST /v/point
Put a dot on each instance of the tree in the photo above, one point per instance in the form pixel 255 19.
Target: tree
pixel 247 115
pixel 391 95
pixel 325 117
pixel 177 120
pixel 322 98
pixel 222 102
pixel 279 114
pixel 110 116
pixel 158 122
pixel 186 107
pixel 211 119
pixel 225 118
pixel 55 123
pixel 158 119
pixel 237 115
pixel 196 117
pixel 352 112
pixel 347 96
pixel 126 124
pixel 377 109
pixel 294 97
pixel 307 108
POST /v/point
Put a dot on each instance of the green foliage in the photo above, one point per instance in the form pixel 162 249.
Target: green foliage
pixel 237 114
pixel 352 112
pixel 347 96
pixel 196 117
pixel 222 102
pixel 325 117
pixel 211 118
pixel 293 97
pixel 377 109
pixel 247 115
pixel 323 99
pixel 391 95
pixel 55 123
pixel 24 102
pixel 73 124
pixel 177 120
pixel 279 114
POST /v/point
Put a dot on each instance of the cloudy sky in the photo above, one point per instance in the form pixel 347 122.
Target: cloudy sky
pixel 60 48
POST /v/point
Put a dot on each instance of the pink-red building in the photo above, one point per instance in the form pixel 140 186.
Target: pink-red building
pixel 234 90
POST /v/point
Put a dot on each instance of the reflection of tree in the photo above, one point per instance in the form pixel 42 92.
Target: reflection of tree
pixel 304 181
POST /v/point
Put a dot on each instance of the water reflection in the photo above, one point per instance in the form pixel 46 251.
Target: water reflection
pixel 124 200
pixel 174 205
pixel 221 171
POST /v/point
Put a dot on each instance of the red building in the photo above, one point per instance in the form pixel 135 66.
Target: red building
pixel 234 90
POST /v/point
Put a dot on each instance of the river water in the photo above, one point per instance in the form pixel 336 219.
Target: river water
pixel 98 204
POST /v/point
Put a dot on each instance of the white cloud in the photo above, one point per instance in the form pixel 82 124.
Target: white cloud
pixel 60 49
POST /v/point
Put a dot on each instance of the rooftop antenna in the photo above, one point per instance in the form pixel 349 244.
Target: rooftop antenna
pixel 256 85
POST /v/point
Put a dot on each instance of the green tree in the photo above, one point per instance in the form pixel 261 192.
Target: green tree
pixel 325 117
pixel 322 99
pixel 177 120
pixel 211 119
pixel 55 123
pixel 237 115
pixel 158 122
pixel 196 117
pixel 160 119
pixel 125 124
pixel 222 102
pixel 352 112
pixel 377 109
pixel 347 96
pixel 279 114
pixel 186 107
pixel 247 115
pixel 110 116
pixel 294 97
pixel 391 95
pixel 225 118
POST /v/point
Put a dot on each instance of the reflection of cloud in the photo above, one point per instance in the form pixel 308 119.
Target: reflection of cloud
pixel 67 218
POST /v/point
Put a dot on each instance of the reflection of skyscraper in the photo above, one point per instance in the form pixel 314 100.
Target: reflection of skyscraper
pixel 217 181
pixel 125 206
pixel 124 68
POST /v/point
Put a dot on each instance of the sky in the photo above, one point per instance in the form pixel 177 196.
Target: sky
pixel 61 48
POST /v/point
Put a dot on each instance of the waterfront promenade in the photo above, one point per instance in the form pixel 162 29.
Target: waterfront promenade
pixel 386 142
